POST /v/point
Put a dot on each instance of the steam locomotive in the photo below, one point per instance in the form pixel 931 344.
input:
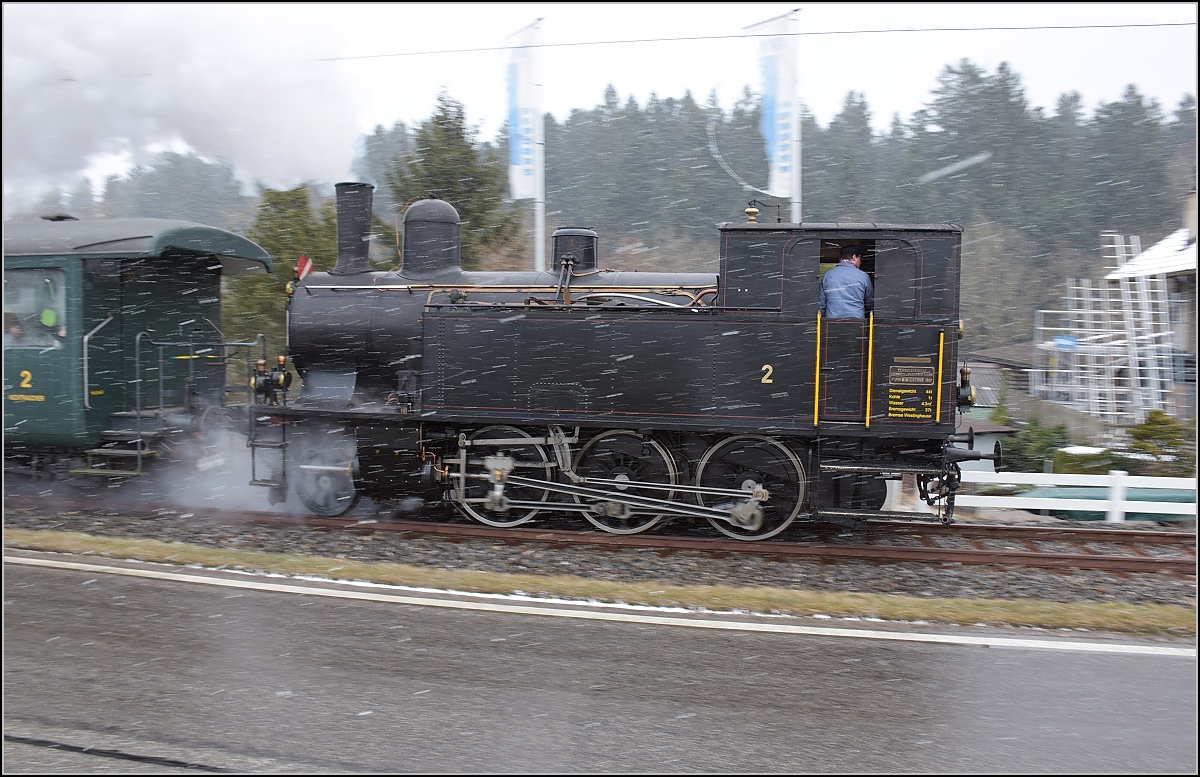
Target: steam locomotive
pixel 627 399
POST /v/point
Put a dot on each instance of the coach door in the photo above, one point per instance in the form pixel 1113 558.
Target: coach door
pixel 102 365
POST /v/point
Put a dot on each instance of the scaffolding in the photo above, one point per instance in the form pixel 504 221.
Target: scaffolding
pixel 1109 352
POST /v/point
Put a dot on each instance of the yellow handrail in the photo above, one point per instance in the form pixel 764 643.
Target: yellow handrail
pixel 941 350
pixel 870 361
pixel 817 378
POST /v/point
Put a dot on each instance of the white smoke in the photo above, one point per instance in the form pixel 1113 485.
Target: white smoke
pixel 88 83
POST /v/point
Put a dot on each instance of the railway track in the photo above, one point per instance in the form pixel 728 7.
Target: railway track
pixel 879 542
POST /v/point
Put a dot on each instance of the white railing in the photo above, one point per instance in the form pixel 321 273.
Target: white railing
pixel 1115 507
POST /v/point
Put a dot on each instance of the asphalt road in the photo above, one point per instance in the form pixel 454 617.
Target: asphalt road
pixel 174 677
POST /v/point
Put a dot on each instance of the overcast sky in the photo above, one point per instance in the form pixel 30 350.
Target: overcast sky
pixel 285 91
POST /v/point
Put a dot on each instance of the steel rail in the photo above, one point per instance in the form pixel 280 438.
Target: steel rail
pixel 827 552
pixel 780 550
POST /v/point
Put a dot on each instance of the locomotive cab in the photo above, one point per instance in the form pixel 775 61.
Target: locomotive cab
pixel 772 274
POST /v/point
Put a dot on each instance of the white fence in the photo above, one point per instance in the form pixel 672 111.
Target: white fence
pixel 1115 507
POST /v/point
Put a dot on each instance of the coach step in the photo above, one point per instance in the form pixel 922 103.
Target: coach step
pixel 119 453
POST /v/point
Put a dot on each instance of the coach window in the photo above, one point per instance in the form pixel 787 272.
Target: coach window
pixel 34 308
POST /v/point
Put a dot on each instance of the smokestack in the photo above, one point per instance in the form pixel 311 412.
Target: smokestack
pixel 353 228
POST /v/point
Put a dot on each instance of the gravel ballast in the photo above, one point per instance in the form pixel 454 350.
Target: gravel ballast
pixel 675 568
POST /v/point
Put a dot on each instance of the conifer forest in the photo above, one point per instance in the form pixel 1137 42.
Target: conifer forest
pixel 1039 189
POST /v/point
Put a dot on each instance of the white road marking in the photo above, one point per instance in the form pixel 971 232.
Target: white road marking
pixel 559 612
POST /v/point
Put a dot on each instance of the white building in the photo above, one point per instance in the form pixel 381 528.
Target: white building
pixel 1127 345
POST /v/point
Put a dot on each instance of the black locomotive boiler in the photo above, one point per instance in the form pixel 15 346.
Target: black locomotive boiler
pixel 626 398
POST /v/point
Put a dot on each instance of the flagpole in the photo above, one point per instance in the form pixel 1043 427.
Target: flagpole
pixel 797 147
pixel 539 154
pixel 780 106
pixel 527 142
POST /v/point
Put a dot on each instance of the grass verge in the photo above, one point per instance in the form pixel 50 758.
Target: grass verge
pixel 1145 619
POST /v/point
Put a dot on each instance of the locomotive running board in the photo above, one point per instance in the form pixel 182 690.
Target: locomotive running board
pixel 883 469
pixel 946 518
pixel 863 515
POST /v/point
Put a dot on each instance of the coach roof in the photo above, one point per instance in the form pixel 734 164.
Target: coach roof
pixel 133 237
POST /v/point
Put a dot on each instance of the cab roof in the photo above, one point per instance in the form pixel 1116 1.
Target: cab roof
pixel 768 226
pixel 150 238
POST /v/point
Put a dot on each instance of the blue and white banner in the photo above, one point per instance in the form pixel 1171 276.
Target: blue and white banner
pixel 780 103
pixel 523 115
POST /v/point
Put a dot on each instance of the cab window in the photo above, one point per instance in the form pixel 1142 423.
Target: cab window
pixel 896 283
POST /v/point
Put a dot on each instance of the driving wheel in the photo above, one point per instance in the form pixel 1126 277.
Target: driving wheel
pixel 748 462
pixel 529 460
pixel 625 458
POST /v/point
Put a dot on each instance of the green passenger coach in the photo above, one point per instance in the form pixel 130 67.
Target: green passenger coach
pixel 112 341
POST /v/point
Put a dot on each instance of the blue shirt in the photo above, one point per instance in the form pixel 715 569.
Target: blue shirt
pixel 846 292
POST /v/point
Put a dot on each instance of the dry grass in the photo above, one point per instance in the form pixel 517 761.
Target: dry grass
pixel 1151 619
